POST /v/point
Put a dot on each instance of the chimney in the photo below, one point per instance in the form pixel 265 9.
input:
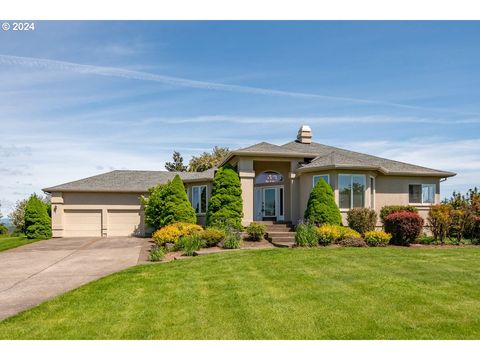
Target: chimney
pixel 304 135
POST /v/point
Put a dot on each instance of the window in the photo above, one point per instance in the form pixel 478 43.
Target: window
pixel 199 199
pixel 351 191
pixel 318 177
pixel 421 193
pixel 268 177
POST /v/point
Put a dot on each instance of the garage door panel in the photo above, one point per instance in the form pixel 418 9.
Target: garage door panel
pixel 124 223
pixel 82 223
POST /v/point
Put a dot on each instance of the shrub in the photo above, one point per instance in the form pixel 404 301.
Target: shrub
pixel 225 207
pixel 352 241
pixel 424 239
pixel 157 253
pixel 173 232
pixel 404 226
pixel 377 238
pixel 191 243
pixel 256 231
pixel 167 204
pixel 233 240
pixel 212 236
pixel 440 219
pixel 3 230
pixel 321 206
pixel 390 209
pixel 347 232
pixel 362 219
pixel 37 222
pixel 328 234
pixel 306 235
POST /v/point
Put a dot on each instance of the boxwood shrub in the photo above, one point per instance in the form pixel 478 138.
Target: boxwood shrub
pixel 256 231
pixel 362 219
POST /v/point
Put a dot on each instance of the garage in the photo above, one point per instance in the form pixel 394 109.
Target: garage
pixel 80 223
pixel 124 223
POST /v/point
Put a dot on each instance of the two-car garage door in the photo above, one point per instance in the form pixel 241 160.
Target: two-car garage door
pixel 81 223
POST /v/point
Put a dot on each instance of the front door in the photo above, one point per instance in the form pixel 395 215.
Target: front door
pixel 268 202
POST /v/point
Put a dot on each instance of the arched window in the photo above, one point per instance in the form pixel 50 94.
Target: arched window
pixel 268 177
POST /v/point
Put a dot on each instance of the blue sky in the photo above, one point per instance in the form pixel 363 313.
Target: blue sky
pixel 403 90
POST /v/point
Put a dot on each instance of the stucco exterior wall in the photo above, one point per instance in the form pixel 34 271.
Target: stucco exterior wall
pixel 388 190
pixel 107 204
pixel 93 201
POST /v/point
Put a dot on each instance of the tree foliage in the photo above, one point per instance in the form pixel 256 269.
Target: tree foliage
pixel 167 204
pixel 176 164
pixel 17 216
pixel 321 206
pixel 207 160
pixel 38 224
pixel 225 207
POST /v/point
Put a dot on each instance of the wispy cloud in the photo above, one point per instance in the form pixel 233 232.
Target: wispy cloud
pixel 189 83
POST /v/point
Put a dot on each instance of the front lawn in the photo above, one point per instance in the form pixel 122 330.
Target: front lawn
pixel 10 242
pixel 319 293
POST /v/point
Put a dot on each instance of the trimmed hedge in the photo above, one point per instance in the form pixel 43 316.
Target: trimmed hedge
pixel 321 206
pixel 390 209
pixel 362 219
pixel 404 226
pixel 167 204
pixel 225 207
pixel 38 224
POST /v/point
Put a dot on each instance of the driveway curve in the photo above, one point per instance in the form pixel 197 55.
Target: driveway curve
pixel 36 272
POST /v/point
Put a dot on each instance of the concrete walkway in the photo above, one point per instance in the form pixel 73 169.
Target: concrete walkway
pixel 36 272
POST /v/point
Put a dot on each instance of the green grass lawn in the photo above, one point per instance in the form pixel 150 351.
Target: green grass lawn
pixel 322 293
pixel 10 242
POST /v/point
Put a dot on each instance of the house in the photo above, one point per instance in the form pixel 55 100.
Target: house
pixel 276 182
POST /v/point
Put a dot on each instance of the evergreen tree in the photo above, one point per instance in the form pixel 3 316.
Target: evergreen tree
pixel 321 207
pixel 225 207
pixel 176 164
pixel 167 204
pixel 38 224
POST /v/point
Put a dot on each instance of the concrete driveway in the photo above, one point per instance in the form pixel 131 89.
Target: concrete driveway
pixel 37 272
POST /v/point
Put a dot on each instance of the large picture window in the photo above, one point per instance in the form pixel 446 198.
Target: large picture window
pixel 199 199
pixel 351 191
pixel 421 193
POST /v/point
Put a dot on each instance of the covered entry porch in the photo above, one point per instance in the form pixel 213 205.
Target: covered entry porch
pixel 268 189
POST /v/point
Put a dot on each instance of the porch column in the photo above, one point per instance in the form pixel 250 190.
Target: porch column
pixel 57 214
pixel 246 181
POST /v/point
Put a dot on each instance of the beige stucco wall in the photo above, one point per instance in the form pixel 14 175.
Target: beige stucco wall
pixel 389 190
pixel 105 202
pixel 92 201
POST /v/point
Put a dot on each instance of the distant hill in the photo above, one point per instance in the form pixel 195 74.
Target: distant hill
pixel 6 221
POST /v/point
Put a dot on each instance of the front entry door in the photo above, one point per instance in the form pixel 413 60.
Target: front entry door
pixel 269 203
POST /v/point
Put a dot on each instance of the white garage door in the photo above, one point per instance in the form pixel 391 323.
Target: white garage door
pixel 124 223
pixel 83 223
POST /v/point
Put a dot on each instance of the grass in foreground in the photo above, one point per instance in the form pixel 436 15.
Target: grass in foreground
pixel 10 242
pixel 332 293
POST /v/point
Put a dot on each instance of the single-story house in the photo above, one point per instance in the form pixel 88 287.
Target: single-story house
pixel 276 182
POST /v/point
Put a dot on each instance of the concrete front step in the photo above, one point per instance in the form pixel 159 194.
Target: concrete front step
pixel 281 235
pixel 283 244
pixel 274 222
pixel 282 239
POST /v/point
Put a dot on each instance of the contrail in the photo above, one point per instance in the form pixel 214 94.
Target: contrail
pixel 182 82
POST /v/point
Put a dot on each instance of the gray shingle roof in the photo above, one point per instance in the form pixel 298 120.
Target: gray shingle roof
pixel 129 181
pixel 266 148
pixel 333 157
